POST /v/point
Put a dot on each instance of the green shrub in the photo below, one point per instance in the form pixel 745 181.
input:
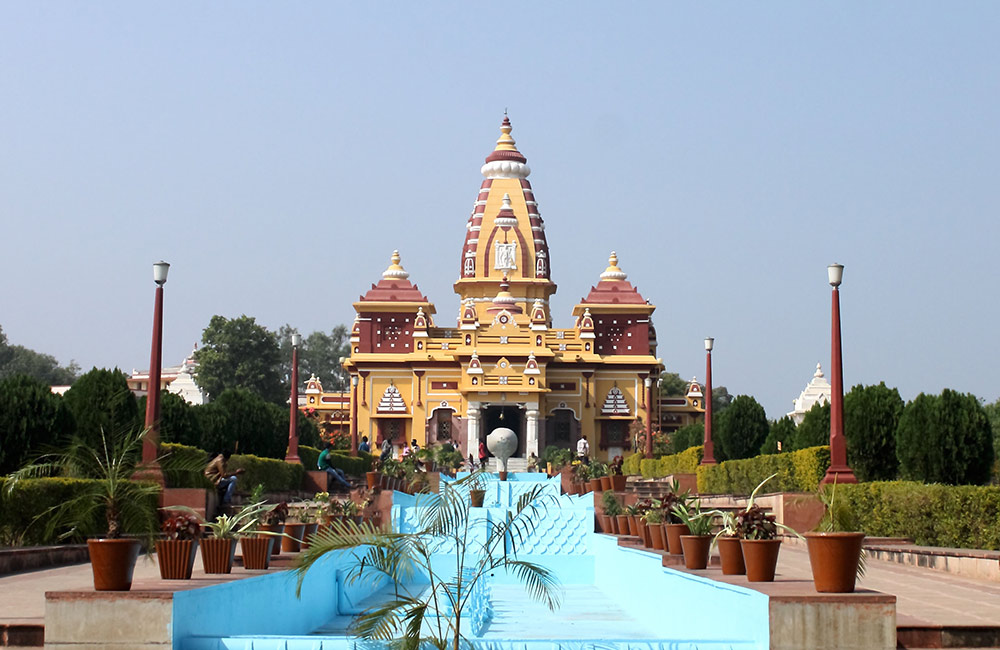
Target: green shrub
pixel 352 465
pixel 183 466
pixel 962 516
pixel 799 471
pixel 633 464
pixel 274 475
pixel 31 498
pixel 309 456
pixel 685 462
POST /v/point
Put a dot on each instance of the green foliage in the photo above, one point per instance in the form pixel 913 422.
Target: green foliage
pixel 993 414
pixel 945 439
pixel 319 355
pixel 19 360
pixel 241 421
pixel 239 354
pixel 179 420
pixel 814 430
pixel 962 516
pixel 671 385
pixel 610 503
pixel 25 510
pixel 309 456
pixel 352 465
pixel 690 435
pixel 101 401
pixel 721 400
pixel 558 456
pixel 799 471
pixel 30 416
pixel 183 466
pixel 782 431
pixel 633 464
pixel 871 416
pixel 685 462
pixel 274 475
pixel 740 429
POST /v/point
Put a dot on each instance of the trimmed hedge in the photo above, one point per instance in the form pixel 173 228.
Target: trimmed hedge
pixel 308 455
pixel 633 464
pixel 963 516
pixel 275 475
pixel 685 462
pixel 31 498
pixel 183 466
pixel 352 465
pixel 798 471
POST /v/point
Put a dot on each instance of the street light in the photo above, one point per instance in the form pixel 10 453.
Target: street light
pixel 151 442
pixel 648 381
pixel 293 413
pixel 839 470
pixel 354 415
pixel 708 453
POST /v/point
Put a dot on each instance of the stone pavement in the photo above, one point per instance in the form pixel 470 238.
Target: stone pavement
pixel 927 600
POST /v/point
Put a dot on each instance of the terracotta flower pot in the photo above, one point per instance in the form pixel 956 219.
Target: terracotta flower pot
pixel 622 521
pixel 647 537
pixel 256 551
pixel 217 554
pixel 834 558
pixel 503 475
pixel 674 532
pixel 633 526
pixel 602 524
pixel 477 498
pixel 731 555
pixel 292 541
pixel 761 558
pixel 618 482
pixel 371 478
pixel 176 558
pixel 605 483
pixel 309 531
pixel 696 550
pixel 595 485
pixel 656 536
pixel 275 541
pixel 113 561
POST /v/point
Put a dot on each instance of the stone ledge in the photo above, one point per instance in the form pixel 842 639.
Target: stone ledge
pixel 13 560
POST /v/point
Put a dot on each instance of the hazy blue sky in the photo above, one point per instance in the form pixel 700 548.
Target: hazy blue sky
pixel 276 153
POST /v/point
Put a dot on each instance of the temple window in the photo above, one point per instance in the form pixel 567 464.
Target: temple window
pixel 470 266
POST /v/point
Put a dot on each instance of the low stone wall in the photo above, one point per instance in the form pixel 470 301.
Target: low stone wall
pixel 28 558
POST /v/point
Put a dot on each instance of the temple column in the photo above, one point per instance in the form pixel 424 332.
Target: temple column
pixel 531 432
pixel 472 430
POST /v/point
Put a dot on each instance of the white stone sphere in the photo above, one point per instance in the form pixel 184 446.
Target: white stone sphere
pixel 502 443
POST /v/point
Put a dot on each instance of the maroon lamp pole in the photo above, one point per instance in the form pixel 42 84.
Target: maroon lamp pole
pixel 150 443
pixel 354 416
pixel 708 455
pixel 293 413
pixel 839 471
pixel 648 381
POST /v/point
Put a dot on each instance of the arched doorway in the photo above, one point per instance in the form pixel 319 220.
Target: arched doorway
pixel 562 429
pixel 505 415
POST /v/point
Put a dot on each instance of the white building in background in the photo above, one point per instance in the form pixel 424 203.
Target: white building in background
pixel 817 392
pixel 178 380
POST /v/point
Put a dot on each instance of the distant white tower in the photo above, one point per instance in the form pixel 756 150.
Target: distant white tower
pixel 817 392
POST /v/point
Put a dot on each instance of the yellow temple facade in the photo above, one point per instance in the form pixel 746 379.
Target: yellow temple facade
pixel 503 363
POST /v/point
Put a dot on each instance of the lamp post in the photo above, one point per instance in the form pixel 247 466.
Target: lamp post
pixel 839 471
pixel 354 415
pixel 648 381
pixel 293 413
pixel 708 455
pixel 151 442
pixel 659 403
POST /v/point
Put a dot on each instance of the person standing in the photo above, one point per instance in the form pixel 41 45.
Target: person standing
pixel 583 450
pixel 483 455
pixel 364 446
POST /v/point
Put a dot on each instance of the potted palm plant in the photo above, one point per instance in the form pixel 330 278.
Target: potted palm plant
pixel 598 472
pixel 175 553
pixel 611 508
pixel 835 548
pixel 759 538
pixel 697 545
pixel 632 513
pixel 128 506
pixel 728 542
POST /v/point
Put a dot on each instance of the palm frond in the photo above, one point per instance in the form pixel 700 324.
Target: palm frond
pixel 381 623
pixel 539 582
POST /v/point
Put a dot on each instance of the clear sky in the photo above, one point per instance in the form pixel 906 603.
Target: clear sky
pixel 276 153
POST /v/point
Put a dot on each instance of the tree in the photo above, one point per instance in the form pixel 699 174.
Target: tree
pixel 945 439
pixel 814 430
pixel 19 360
pixel 242 422
pixel 102 404
pixel 741 429
pixel 690 435
pixel 871 416
pixel 319 354
pixel 993 413
pixel 481 547
pixel 671 385
pixel 239 353
pixel 721 399
pixel 179 420
pixel 31 416
pixel 782 431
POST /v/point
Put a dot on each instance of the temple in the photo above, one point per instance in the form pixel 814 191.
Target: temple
pixel 503 363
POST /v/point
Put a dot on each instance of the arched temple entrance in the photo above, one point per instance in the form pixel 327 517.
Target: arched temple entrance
pixel 505 415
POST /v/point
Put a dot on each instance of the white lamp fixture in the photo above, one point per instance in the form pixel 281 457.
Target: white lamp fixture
pixel 354 380
pixel 648 381
pixel 160 272
pixel 296 339
pixel 836 274
pixel 709 342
